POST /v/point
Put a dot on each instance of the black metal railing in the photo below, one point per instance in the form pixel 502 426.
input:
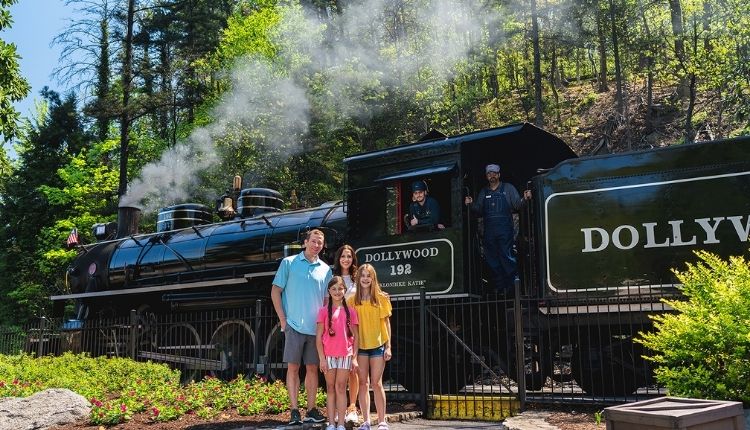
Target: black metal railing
pixel 473 357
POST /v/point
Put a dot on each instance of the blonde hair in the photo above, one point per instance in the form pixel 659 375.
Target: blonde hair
pixel 375 291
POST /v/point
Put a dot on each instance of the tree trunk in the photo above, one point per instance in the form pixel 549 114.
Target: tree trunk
pixel 616 52
pixel 675 10
pixel 554 82
pixel 602 52
pixel 165 87
pixel 692 79
pixel 689 129
pixel 127 81
pixel 538 107
pixel 102 82
pixel 707 13
pixel 649 65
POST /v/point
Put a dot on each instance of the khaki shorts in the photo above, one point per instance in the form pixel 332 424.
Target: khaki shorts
pixel 299 348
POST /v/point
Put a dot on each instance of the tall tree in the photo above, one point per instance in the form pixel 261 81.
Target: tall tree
pixel 43 148
pixel 678 32
pixel 13 87
pixel 127 81
pixel 86 56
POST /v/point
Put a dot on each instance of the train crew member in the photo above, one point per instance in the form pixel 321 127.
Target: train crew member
pixel 496 203
pixel 424 211
pixel 374 312
pixel 336 336
pixel 299 290
pixel 345 265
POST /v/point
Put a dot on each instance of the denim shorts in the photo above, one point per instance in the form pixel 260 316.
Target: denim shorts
pixel 374 352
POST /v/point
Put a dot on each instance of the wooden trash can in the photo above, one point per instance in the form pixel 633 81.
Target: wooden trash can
pixel 676 413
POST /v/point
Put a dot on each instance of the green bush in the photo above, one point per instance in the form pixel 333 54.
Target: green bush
pixel 119 387
pixel 703 349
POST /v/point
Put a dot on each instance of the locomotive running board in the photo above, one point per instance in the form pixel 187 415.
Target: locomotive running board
pixel 161 288
pixel 605 308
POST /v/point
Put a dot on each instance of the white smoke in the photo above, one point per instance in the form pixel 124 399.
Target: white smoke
pixel 371 47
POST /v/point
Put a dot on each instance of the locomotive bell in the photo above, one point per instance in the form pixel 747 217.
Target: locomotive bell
pixel 226 204
pixel 226 208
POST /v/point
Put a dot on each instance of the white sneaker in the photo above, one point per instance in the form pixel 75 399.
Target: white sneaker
pixel 352 416
pixel 340 428
pixel 330 427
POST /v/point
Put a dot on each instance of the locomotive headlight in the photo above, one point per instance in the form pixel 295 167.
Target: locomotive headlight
pixel 92 269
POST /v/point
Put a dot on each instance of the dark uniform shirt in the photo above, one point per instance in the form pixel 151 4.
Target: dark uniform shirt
pixel 427 214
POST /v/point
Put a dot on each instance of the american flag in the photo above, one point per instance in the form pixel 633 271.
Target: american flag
pixel 73 237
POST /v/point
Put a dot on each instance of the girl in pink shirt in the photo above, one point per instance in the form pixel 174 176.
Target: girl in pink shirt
pixel 337 342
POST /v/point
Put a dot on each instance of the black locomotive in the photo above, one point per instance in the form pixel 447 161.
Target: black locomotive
pixel 600 233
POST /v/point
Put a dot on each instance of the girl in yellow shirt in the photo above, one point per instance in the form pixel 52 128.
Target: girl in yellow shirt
pixel 374 311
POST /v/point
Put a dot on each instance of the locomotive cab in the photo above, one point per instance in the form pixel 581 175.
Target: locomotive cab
pixel 379 195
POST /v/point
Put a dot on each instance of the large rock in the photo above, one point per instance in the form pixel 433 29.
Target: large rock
pixel 43 409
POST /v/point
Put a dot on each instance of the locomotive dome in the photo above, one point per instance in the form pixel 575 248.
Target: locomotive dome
pixel 256 201
pixel 183 215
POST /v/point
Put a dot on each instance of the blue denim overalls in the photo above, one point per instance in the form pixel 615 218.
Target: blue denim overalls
pixel 498 239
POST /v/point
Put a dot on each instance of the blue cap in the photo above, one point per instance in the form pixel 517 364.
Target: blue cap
pixel 418 186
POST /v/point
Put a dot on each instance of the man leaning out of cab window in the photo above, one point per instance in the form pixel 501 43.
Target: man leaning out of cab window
pixel 424 211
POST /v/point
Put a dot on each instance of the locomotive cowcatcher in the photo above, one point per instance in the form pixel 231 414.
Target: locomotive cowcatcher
pixel 599 234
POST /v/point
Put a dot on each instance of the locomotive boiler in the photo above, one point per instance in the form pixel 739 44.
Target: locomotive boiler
pixel 595 245
pixel 191 260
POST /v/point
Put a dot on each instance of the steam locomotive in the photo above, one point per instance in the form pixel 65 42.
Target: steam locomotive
pixel 600 234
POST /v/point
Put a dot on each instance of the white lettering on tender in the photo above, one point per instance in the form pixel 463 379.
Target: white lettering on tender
pixel 626 236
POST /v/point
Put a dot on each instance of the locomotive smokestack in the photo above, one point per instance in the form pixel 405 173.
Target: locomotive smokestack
pixel 127 221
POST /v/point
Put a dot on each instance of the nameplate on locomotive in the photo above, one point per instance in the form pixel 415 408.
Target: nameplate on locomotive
pixel 404 268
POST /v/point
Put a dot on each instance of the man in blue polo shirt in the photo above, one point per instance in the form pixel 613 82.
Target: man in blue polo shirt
pixel 299 290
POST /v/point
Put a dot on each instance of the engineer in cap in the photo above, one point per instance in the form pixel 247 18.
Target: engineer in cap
pixel 496 203
pixel 424 211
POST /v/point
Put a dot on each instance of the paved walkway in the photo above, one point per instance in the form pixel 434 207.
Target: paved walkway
pixel 529 420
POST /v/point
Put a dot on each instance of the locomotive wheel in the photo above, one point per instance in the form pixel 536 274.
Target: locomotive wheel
pixel 275 354
pixel 233 345
pixel 182 343
pixel 147 324
pixel 534 368
pixel 607 369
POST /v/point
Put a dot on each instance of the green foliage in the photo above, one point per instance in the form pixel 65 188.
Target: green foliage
pixel 246 35
pixel 118 388
pixel 29 216
pixel 6 169
pixel 702 349
pixel 599 417
pixel 13 87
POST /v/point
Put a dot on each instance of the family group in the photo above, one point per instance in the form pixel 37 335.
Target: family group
pixel 336 321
